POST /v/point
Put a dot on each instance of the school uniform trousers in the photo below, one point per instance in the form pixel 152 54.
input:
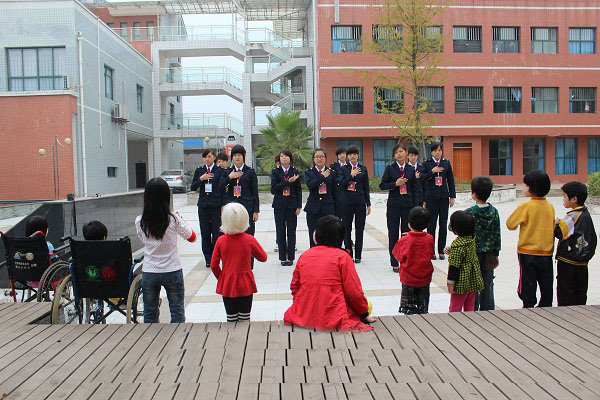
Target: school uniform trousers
pixel 439 188
pixel 318 204
pixel 400 201
pixel 287 198
pixel 249 196
pixel 356 200
pixel 209 207
pixel 338 193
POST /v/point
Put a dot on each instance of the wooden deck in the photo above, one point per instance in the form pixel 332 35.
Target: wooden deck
pixel 520 354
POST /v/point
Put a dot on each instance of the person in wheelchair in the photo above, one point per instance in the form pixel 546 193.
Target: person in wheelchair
pixel 38 223
pixel 158 229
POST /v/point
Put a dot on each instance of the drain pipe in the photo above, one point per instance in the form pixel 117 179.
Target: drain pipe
pixel 82 115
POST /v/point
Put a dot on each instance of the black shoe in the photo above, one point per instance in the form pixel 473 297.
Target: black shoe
pixel 357 261
pixel 289 263
pixel 283 263
pixel 434 257
pixel 396 269
pixel 442 256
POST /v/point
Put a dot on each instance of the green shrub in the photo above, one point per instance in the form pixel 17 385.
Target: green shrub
pixel 594 184
pixel 374 184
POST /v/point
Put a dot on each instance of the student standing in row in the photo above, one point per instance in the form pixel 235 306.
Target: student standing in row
pixel 413 161
pixel 400 179
pixel 222 160
pixel 241 185
pixel 339 190
pixel 320 181
pixel 440 193
pixel 354 179
pixel 209 182
pixel 287 203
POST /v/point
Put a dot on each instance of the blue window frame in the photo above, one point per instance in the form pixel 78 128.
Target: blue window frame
pixel 533 154
pixel 593 155
pixel 566 156
pixel 382 154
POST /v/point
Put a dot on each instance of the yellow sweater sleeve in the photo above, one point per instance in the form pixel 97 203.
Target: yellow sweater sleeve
pixel 517 217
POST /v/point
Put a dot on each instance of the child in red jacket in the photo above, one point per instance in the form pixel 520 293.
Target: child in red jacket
pixel 236 249
pixel 414 253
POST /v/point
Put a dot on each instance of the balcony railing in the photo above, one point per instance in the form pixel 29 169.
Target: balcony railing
pixel 201 75
pixel 201 122
pixel 293 102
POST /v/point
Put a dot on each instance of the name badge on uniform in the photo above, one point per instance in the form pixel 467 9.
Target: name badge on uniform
pixel 287 191
pixel 352 186
pixel 208 187
pixel 237 190
pixel 323 188
pixel 402 188
pixel 438 181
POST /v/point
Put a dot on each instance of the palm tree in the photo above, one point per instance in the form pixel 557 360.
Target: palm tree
pixel 285 132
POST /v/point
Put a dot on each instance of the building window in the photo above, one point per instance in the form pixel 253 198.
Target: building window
pixel 467 39
pixel 137 31
pixel 39 68
pixel 533 155
pixel 501 157
pixel 387 37
pixel 171 114
pixel 108 82
pixel 566 156
pixel 433 40
pixel 582 40
pixel 178 99
pixel 593 155
pixel 348 100
pixel 544 40
pixel 356 142
pixel 468 100
pixel 140 98
pixel 124 30
pixel 505 39
pixel 382 154
pixel 582 100
pixel 544 100
pixel 389 101
pixel 507 100
pixel 111 172
pixel 110 25
pixel 434 97
pixel 346 39
pixel 150 28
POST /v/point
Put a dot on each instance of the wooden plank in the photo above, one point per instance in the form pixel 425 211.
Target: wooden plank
pixel 251 374
pixel 312 391
pixel 275 357
pixel 186 391
pixel 248 391
pixel 166 391
pixel 318 357
pixel 385 357
pixel 512 391
pixel 382 374
pixel 340 357
pixel 268 391
pixel 366 340
pixel 357 391
pixel 125 392
pixel 174 344
pixel 536 392
pixel 85 391
pixel 294 374
pixel 360 374
pixel 189 373
pixel 423 391
pixel 334 391
pixel 385 338
pixel 379 391
pixel 580 391
pixel 20 336
pixel 26 317
pixel 343 340
pixel 257 340
pixel 278 340
pixel 489 391
pixel 407 357
pixel 337 375
pixel 168 374
pixel 207 390
pixel 145 391
pixel 445 391
pixel 271 374
pixel 315 374
pixel 296 357
pixel 227 389
pixel 210 374
pixel 212 357
pixel 467 391
pixel 105 391
pixel 292 391
pixel 573 321
pixel 300 340
pixel 363 356
pixel 254 357
pixel 321 340
pixel 403 374
pixel 401 391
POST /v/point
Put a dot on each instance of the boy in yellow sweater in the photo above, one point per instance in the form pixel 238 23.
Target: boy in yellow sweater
pixel 536 241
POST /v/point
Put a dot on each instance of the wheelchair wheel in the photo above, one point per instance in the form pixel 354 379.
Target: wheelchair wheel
pixel 135 301
pixel 50 280
pixel 65 309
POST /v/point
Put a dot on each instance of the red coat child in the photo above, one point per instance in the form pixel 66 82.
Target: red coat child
pixel 327 292
pixel 236 251
pixel 414 253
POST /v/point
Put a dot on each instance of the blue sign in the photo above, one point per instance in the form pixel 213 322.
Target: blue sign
pixel 193 143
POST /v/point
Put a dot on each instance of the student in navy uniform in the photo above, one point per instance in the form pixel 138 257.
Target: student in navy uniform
pixel 287 203
pixel 413 161
pixel 209 182
pixel 439 193
pixel 241 185
pixel 222 160
pixel 338 194
pixel 320 181
pixel 354 179
pixel 399 178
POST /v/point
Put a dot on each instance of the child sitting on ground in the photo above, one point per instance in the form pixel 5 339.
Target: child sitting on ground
pixel 235 282
pixel 535 218
pixel 464 274
pixel 487 236
pixel 414 252
pixel 576 246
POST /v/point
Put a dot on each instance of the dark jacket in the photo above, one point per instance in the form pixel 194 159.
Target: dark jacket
pixel 214 199
pixel 421 169
pixel 413 194
pixel 249 183
pixel 432 191
pixel 577 237
pixel 487 228
pixel 339 189
pixel 319 203
pixel 279 183
pixel 361 193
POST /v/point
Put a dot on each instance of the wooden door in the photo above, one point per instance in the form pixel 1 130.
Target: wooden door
pixel 462 164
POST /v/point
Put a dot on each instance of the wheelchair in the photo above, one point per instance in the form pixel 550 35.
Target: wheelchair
pixel 101 272
pixel 32 269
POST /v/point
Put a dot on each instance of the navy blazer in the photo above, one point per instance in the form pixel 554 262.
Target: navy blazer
pixel 214 199
pixel 279 183
pixel 413 194
pixel 339 189
pixel 249 183
pixel 433 192
pixel 319 203
pixel 362 193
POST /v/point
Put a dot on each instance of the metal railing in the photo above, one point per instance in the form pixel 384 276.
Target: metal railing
pixel 201 122
pixel 292 102
pixel 201 75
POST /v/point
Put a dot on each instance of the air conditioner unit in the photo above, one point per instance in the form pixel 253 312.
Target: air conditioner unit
pixel 120 113
pixel 68 83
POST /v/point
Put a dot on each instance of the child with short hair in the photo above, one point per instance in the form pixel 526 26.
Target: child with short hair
pixel 414 252
pixel 38 223
pixel 535 218
pixel 158 229
pixel 222 160
pixel 464 274
pixel 95 230
pixel 487 236
pixel 235 282
pixel 576 246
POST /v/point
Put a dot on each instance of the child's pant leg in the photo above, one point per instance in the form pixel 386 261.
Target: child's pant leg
pixel 231 308
pixel 545 279
pixel 571 284
pixel 244 307
pixel 470 301
pixel 457 301
pixel 151 295
pixel 174 285
pixel 484 300
pixel 527 280
pixel 238 308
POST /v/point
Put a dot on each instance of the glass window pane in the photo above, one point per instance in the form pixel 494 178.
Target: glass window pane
pixel 46 64
pixel 30 64
pixel 59 62
pixel 31 84
pixel 15 63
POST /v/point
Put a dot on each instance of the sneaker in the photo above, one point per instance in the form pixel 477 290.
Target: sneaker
pixel 441 257
pixel 434 257
pixel 284 263
pixel 276 249
pixel 396 269
pixel 357 261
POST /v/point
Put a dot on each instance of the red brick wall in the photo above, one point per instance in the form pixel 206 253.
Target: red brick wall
pixel 28 123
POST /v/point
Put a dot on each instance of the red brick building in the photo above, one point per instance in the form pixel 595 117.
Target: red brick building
pixel 518 92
